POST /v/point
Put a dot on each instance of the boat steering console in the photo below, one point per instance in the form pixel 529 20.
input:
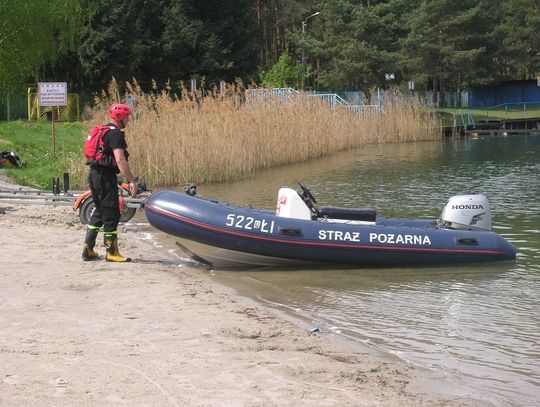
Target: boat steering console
pixel 308 199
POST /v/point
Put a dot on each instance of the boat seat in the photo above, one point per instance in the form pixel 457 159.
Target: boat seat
pixel 333 212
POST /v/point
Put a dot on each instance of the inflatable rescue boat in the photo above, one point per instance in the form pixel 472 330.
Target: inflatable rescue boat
pixel 300 232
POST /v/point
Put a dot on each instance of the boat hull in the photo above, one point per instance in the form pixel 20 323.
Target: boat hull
pixel 225 235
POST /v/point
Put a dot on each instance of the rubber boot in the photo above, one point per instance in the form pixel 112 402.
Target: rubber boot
pixel 88 253
pixel 111 244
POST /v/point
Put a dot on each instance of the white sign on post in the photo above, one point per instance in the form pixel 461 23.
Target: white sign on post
pixel 52 93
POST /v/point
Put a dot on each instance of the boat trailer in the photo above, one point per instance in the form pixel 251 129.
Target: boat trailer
pixel 79 200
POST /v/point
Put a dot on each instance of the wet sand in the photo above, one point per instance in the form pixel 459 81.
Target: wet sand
pixel 156 332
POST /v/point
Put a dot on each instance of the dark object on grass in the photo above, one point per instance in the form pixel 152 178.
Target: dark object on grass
pixel 8 159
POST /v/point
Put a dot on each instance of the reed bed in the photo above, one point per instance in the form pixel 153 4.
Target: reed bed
pixel 213 136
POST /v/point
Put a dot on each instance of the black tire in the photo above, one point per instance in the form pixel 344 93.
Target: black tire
pixel 87 208
pixel 128 214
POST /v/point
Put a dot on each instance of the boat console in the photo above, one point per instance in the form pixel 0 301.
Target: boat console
pixel 302 205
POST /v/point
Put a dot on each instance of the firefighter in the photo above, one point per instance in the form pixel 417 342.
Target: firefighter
pixel 109 157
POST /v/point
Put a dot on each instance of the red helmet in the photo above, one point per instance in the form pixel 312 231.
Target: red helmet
pixel 119 111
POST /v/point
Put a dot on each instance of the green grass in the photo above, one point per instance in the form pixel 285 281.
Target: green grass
pixel 510 112
pixel 32 142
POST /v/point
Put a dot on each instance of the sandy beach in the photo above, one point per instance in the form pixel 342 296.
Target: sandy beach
pixel 157 333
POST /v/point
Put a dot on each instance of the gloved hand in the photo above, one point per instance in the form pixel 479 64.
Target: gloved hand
pixel 133 189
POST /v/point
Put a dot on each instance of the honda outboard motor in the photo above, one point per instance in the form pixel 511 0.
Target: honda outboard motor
pixel 466 212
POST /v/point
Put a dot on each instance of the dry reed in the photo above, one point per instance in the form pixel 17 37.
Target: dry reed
pixel 210 136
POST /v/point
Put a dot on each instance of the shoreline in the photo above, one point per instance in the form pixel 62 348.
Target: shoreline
pixel 156 332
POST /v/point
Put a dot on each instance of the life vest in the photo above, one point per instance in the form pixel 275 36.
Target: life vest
pixel 94 147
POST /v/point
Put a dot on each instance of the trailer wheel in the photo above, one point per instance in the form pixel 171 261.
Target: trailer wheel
pixel 87 208
pixel 85 211
pixel 128 214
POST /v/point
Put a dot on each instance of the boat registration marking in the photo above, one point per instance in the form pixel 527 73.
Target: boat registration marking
pixel 249 223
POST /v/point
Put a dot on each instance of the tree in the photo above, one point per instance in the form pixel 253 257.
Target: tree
pixel 212 39
pixel 353 44
pixel 103 51
pixel 161 40
pixel 517 35
pixel 446 44
pixel 284 74
pixel 275 19
pixel 34 33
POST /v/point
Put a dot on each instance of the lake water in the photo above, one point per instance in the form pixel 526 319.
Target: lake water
pixel 475 327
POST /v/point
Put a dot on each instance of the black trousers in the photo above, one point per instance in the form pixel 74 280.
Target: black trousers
pixel 104 186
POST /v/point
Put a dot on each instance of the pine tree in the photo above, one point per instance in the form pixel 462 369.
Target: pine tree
pixel 446 44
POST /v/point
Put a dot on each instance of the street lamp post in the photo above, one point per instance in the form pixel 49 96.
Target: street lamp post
pixel 304 23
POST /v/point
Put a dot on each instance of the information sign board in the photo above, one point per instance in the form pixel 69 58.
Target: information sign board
pixel 52 93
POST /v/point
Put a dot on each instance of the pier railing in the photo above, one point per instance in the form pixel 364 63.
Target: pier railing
pixel 519 110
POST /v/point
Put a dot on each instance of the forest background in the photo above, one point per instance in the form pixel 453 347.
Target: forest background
pixel 349 45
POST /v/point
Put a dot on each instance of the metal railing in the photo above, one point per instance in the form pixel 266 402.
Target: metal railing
pixel 517 111
pixel 267 94
pixel 13 106
pixel 333 100
pixel 69 113
pixel 365 109
pixel 467 122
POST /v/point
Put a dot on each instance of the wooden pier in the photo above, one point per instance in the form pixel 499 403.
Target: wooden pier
pixel 529 126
